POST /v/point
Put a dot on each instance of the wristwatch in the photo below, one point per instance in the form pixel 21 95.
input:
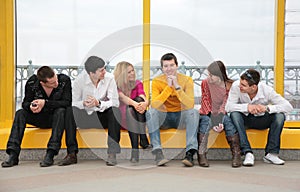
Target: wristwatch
pixel 267 109
pixel 99 104
pixel 177 88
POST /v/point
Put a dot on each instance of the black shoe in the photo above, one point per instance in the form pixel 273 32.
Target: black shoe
pixel 147 147
pixel 48 160
pixel 188 159
pixel 12 161
pixel 111 160
pixel 68 160
pixel 159 157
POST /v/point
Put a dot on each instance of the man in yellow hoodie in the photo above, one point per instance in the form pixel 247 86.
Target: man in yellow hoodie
pixel 172 106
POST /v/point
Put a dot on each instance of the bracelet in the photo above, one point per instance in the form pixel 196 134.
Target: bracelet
pixel 177 88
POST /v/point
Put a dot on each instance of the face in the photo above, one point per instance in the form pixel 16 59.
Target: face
pixel 245 88
pixel 51 82
pixel 99 74
pixel 130 73
pixel 213 78
pixel 169 67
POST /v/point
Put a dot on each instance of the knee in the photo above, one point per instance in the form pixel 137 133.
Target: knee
pixel 191 114
pixel 60 111
pixel 20 112
pixel 139 99
pixel 204 122
pixel 151 113
pixel 235 115
pixel 114 112
pixel 279 118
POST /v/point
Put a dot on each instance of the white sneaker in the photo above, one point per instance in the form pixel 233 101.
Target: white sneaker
pixel 273 158
pixel 249 159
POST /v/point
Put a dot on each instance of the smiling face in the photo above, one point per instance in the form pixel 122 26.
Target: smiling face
pixel 130 73
pixel 169 67
pixel 98 75
pixel 245 88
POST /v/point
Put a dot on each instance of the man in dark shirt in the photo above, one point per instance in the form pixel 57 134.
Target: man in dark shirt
pixel 47 104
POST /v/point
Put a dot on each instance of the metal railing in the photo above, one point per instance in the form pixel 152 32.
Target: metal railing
pixel 198 73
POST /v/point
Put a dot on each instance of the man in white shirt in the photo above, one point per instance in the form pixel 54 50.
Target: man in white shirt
pixel 253 104
pixel 95 103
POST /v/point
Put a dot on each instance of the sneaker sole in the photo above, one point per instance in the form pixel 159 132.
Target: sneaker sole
pixel 271 162
pixel 187 163
pixel 248 164
pixel 162 162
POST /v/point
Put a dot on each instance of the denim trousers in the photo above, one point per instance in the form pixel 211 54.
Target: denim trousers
pixel 205 125
pixel 274 122
pixel 187 118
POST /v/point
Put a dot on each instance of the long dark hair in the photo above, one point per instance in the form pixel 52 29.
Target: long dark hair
pixel 218 68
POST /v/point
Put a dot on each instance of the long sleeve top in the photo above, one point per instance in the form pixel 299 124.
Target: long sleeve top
pixel 213 99
pixel 137 91
pixel 61 96
pixel 167 99
pixel 266 95
pixel 106 91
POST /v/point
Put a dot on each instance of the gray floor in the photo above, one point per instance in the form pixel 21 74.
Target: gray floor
pixel 94 175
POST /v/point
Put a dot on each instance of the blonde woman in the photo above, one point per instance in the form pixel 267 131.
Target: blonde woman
pixel 133 104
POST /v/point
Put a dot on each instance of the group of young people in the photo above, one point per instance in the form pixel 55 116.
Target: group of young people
pixel 98 99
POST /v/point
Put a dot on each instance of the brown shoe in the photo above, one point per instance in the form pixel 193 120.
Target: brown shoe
pixel 68 160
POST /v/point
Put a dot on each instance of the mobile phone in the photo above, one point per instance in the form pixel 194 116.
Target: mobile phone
pixel 33 104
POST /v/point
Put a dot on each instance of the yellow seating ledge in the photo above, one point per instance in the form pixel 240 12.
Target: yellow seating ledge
pixel 35 138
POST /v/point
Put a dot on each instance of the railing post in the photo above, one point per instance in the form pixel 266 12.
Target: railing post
pixel 108 68
pixel 182 68
pixel 30 68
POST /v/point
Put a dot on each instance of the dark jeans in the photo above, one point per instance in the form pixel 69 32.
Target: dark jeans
pixel 110 119
pixel 136 126
pixel 55 120
pixel 70 128
pixel 274 122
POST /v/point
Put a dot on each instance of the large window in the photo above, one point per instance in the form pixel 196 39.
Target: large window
pixel 64 32
pixel 240 33
pixel 292 55
pixel 61 32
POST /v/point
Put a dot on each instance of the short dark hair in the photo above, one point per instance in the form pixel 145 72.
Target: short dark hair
pixel 93 63
pixel 167 57
pixel 251 76
pixel 44 73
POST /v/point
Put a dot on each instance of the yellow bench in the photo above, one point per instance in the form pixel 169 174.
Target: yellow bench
pixel 35 138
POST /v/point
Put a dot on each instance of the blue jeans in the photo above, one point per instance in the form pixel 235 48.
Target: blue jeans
pixel 188 118
pixel 205 125
pixel 274 122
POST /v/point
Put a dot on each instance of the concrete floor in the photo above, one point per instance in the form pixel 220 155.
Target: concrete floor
pixel 94 175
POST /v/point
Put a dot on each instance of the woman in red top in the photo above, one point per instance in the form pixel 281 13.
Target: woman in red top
pixel 215 91
pixel 133 104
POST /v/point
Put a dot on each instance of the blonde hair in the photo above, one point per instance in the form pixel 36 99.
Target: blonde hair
pixel 121 77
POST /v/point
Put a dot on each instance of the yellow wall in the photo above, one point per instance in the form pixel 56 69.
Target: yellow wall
pixel 7 64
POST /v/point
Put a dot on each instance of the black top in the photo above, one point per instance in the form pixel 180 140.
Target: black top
pixel 59 97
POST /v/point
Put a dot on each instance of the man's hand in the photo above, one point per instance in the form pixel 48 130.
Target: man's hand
pixel 172 81
pixel 256 108
pixel 37 105
pixel 90 102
